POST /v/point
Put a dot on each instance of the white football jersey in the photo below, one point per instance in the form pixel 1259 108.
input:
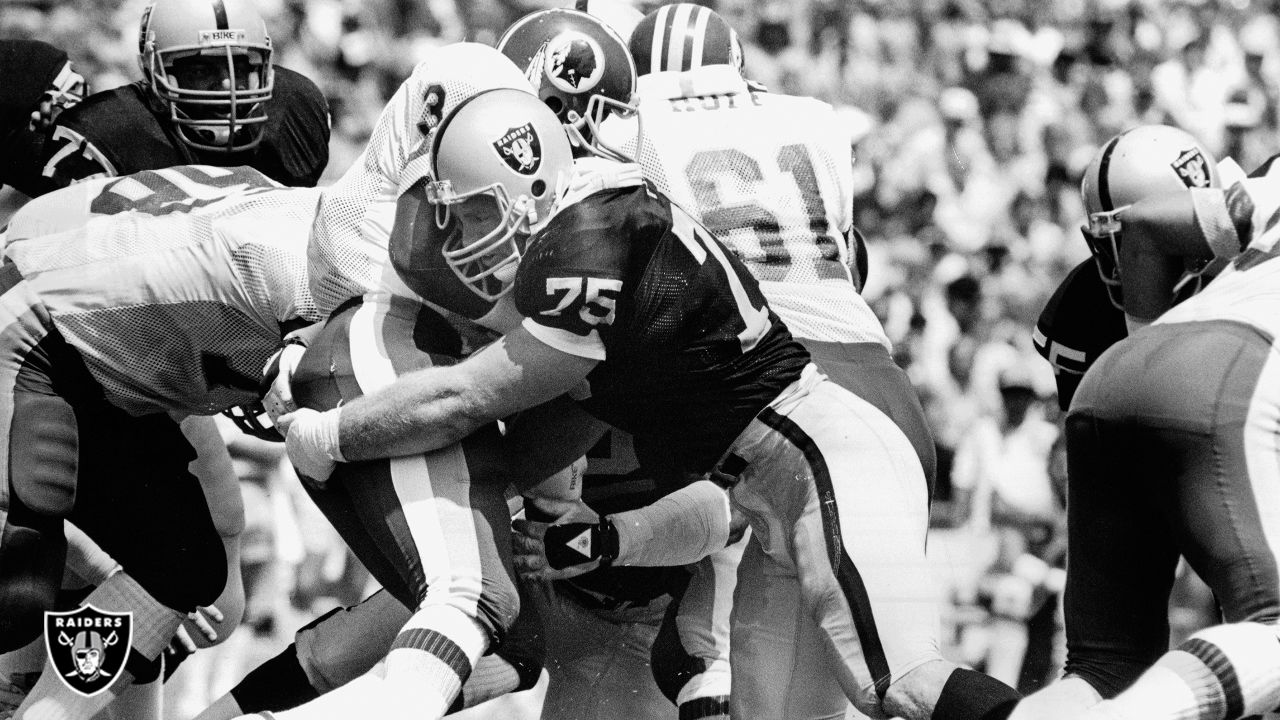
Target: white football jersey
pixel 771 176
pixel 348 256
pixel 1248 290
pixel 174 285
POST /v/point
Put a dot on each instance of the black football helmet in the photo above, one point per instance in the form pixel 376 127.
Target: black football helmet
pixel 580 67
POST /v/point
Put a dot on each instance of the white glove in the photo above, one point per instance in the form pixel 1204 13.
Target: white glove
pixel 311 439
pixel 278 399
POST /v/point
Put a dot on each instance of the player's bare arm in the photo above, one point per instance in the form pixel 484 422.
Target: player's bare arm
pixel 435 407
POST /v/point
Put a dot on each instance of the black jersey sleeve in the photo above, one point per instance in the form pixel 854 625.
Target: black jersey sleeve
pixel 571 278
pixel 295 147
pixel 1077 325
pixel 29 68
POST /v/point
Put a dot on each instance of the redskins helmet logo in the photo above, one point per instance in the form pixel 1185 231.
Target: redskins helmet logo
pixel 1192 167
pixel 574 62
pixel 520 149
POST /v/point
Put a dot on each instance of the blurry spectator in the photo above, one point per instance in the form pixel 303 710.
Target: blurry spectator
pixel 1001 484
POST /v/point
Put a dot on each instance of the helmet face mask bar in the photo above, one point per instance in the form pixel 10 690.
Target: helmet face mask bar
pixel 1102 235
pixel 598 108
pixel 213 75
pixel 252 419
pixel 486 264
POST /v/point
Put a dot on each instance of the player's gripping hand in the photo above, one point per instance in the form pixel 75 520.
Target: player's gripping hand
pixel 553 519
pixel 311 440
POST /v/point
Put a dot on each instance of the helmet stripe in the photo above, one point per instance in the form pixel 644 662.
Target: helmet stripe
pixel 679 37
pixel 660 36
pixel 220 15
pixel 701 17
pixel 1104 165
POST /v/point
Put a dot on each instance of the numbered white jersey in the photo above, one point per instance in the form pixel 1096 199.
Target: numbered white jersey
pixel 1248 290
pixel 349 250
pixel 771 176
pixel 172 284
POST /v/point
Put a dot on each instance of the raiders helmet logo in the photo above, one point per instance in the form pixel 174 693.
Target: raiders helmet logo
pixel 1192 168
pixel 573 62
pixel 520 149
pixel 88 646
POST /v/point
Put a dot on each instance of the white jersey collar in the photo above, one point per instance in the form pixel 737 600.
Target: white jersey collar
pixel 707 80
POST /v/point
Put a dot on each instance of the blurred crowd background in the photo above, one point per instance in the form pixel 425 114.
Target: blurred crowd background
pixel 972 122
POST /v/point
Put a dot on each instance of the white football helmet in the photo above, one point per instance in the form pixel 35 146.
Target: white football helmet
pixel 502 157
pixel 208 62
pixel 1145 161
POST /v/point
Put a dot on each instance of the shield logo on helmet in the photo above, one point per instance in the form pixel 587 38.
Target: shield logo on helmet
pixel 1192 167
pixel 88 646
pixel 574 62
pixel 520 149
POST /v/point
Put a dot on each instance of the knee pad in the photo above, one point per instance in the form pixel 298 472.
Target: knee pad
pixel 44 443
pixel 31 561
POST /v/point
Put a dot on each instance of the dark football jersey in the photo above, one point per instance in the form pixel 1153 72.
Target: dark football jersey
pixel 1077 325
pixel 689 350
pixel 117 132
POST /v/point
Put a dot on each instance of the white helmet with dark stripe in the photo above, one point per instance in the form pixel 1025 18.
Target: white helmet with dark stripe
pixel 684 36
pixel 1145 161
pixel 208 62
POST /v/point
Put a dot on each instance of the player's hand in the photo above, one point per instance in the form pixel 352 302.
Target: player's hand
pixel 311 439
pixel 277 378
pixel 201 621
pixel 565 520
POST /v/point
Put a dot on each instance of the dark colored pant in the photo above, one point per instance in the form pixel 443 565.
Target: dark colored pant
pixel 1173 444
pixel 122 479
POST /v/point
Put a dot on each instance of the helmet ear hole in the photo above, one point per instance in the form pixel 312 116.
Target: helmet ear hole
pixel 555 103
pixel 538 188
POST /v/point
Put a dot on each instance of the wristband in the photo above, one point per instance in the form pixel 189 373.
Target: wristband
pixel 580 543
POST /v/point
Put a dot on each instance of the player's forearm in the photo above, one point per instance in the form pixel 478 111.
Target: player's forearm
pixel 423 411
pixel 678 529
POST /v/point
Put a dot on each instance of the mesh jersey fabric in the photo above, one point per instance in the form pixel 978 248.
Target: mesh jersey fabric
pixel 771 176
pixel 176 303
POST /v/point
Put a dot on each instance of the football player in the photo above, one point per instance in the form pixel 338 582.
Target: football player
pixel 616 286
pixel 771 176
pixel 113 326
pixel 1085 315
pixel 450 565
pixel 599 626
pixel 1171 440
pixel 208 95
